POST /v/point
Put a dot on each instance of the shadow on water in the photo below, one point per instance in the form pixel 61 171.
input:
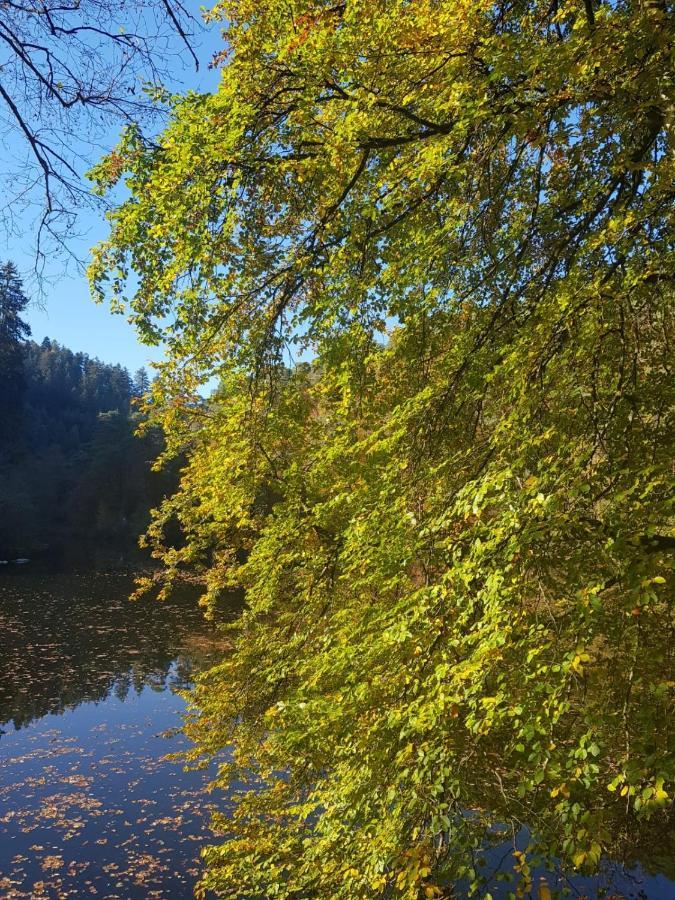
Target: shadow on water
pixel 648 873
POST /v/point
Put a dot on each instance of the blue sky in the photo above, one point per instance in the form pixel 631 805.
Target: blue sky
pixel 66 311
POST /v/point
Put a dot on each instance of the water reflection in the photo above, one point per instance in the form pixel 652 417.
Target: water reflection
pixel 645 873
pixel 89 805
pixel 67 640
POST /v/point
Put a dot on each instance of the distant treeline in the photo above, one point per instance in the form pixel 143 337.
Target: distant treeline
pixel 75 480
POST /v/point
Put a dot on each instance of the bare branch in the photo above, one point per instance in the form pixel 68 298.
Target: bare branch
pixel 71 72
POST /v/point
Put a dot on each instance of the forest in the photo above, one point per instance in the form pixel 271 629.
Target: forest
pixel 76 480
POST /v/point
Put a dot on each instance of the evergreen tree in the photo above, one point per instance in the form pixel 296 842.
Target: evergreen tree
pixel 141 382
pixel 13 333
pixel 78 479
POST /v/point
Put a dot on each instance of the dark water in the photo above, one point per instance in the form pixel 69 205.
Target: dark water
pixel 89 806
pixel 613 880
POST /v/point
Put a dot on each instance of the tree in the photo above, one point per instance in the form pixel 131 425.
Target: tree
pixel 455 528
pixel 76 480
pixel 13 333
pixel 69 72
pixel 141 382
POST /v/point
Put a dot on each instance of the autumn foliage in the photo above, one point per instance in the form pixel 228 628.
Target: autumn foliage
pixel 453 520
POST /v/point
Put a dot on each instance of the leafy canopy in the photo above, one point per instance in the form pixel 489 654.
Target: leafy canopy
pixel 454 525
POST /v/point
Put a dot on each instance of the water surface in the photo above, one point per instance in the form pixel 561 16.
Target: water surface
pixel 89 805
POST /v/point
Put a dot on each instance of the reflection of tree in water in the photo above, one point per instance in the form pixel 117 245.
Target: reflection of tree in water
pixel 638 849
pixel 70 639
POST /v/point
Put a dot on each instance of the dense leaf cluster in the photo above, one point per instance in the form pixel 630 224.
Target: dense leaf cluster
pixel 454 526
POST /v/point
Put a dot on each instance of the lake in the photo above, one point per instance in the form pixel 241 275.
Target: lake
pixel 89 706
pixel 88 691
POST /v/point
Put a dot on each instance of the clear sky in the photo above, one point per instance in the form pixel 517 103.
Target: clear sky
pixel 66 311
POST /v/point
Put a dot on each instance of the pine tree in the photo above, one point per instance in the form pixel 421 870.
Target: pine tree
pixel 141 382
pixel 13 332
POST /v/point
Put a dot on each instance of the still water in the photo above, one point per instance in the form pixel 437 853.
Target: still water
pixel 89 805
pixel 89 706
